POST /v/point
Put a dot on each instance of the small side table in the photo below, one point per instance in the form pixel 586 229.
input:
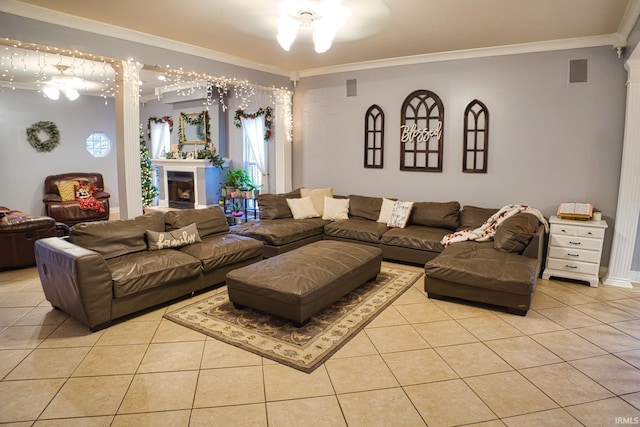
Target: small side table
pixel 575 249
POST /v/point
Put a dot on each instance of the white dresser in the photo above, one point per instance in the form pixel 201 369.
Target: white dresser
pixel 575 249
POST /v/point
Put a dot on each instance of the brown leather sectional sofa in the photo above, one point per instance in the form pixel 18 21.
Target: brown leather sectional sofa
pixel 106 270
pixel 471 271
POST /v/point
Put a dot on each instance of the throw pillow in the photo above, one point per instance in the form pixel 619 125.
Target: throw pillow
pixel 400 214
pixel 172 239
pixel 83 190
pixel 515 233
pixel 302 208
pixel 335 209
pixel 385 210
pixel 317 196
pixel 67 190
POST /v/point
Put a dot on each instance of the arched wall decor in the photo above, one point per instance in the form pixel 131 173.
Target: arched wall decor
pixel 421 132
pixel 475 150
pixel 374 138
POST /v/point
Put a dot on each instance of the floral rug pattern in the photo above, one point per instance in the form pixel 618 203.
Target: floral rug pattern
pixel 278 339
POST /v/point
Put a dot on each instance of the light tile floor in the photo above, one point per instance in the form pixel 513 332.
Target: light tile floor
pixel 573 360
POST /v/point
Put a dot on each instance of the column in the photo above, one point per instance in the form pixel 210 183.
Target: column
pixel 284 123
pixel 628 208
pixel 128 138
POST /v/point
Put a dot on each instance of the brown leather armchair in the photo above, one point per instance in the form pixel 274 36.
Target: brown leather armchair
pixel 70 212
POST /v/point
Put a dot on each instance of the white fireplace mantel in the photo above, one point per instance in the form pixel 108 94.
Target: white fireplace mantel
pixel 207 180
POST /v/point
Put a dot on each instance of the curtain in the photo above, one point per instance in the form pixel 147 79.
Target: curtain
pixel 254 137
pixel 160 139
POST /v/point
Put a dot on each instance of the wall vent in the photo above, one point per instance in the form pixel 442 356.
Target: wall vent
pixel 578 71
pixel 352 87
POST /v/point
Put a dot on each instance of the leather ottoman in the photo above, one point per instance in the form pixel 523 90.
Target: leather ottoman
pixel 298 284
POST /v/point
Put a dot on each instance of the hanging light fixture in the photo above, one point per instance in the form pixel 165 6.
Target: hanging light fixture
pixel 322 18
pixel 63 83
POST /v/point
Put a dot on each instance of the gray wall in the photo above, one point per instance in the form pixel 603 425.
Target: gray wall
pixel 550 141
pixel 23 169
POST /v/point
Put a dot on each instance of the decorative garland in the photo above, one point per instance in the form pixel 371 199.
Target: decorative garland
pixel 163 119
pixel 266 112
pixel 50 129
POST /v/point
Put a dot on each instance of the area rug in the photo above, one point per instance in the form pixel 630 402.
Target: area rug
pixel 303 348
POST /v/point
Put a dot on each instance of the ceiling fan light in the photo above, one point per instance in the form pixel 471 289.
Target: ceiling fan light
pixel 71 94
pixel 287 32
pixel 51 92
pixel 323 39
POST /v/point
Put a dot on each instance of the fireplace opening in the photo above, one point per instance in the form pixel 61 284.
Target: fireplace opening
pixel 181 190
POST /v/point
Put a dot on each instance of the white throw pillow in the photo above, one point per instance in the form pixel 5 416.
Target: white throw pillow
pixel 335 209
pixel 317 196
pixel 386 210
pixel 302 208
pixel 400 214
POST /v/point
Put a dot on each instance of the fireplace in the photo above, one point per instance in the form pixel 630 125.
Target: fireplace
pixel 178 176
pixel 182 194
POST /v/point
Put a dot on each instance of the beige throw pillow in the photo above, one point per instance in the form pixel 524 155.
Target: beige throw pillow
pixel 302 208
pixel 335 209
pixel 317 197
pixel 386 210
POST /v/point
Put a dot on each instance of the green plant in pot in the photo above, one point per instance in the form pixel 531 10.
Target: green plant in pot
pixel 238 179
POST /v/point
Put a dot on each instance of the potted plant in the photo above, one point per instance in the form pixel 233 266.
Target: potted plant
pixel 237 179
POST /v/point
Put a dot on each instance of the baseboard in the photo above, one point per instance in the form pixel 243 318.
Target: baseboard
pixel 634 276
pixel 115 210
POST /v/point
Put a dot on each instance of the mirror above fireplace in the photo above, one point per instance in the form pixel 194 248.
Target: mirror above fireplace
pixel 194 128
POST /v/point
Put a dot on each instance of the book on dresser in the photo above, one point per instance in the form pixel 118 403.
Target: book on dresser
pixel 580 211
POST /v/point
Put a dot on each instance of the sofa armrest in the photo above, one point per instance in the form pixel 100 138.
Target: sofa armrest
pixel 76 280
pixel 535 249
pixel 51 198
pixel 101 195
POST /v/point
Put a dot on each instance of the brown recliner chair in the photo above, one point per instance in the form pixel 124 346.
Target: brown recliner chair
pixel 18 233
pixel 70 212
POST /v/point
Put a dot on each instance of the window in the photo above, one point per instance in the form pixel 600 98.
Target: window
pixel 255 150
pixel 374 137
pixel 421 132
pixel 475 151
pixel 98 144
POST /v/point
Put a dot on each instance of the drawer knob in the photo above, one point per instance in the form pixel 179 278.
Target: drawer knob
pixel 574 243
pixel 571 266
pixel 564 231
pixel 574 255
pixel 590 233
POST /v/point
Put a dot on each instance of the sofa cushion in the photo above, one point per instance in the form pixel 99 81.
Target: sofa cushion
pixel 356 229
pixel 208 221
pixel 224 249
pixel 479 265
pixel 274 206
pixel 173 239
pixel 515 233
pixel 278 232
pixel 364 207
pixel 416 237
pixel 118 237
pixel 472 217
pixel 436 214
pixel 135 272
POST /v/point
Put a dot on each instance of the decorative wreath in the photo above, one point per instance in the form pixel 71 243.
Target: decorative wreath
pixel 50 129
pixel 266 112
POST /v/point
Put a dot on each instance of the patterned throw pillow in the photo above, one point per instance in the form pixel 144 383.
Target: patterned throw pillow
pixel 400 214
pixel 172 239
pixel 67 190
pixel 83 190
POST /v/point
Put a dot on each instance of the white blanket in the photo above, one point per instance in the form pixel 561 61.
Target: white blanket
pixel 488 228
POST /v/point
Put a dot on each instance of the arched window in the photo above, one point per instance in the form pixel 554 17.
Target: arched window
pixel 475 151
pixel 421 132
pixel 374 137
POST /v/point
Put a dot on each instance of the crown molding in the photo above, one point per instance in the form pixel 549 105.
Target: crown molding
pixel 629 20
pixel 574 43
pixel 38 13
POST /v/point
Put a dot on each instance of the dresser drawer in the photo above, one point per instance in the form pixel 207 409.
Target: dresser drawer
pixel 575 242
pixel 576 230
pixel 574 254
pixel 573 266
